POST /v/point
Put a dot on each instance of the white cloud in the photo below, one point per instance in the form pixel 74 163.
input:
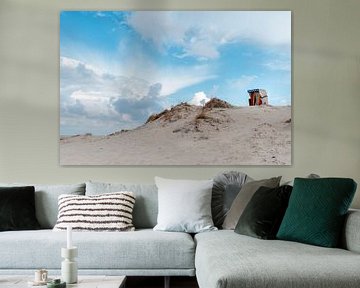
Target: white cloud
pixel 280 100
pixel 172 79
pixel 178 78
pixel 202 49
pixel 93 103
pixel 136 62
pixel 241 83
pixel 102 94
pixel 100 14
pixel 199 99
pixel 66 62
pixel 279 65
pixel 200 34
pixel 69 63
pixel 162 28
pixel 104 98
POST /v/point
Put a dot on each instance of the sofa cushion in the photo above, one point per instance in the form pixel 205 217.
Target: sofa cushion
pixel 263 214
pixel 225 189
pixel 17 208
pixel 146 205
pixel 317 209
pixel 225 259
pixel 46 200
pixel 184 205
pixel 243 198
pixel 137 250
pixel 105 212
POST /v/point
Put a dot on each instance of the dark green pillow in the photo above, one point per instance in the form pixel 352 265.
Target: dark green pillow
pixel 264 212
pixel 316 211
pixel 17 208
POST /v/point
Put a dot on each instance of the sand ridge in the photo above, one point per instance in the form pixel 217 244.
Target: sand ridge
pixel 191 135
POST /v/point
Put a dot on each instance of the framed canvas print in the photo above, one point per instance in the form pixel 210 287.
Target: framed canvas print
pixel 175 88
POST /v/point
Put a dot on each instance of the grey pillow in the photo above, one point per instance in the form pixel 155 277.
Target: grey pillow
pixel 46 200
pixel 184 205
pixel 310 176
pixel 225 189
pixel 146 204
pixel 243 198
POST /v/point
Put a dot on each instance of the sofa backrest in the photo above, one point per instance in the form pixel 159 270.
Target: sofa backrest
pixel 46 200
pixel 146 203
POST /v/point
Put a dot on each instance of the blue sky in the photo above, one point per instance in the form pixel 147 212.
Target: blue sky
pixel 119 67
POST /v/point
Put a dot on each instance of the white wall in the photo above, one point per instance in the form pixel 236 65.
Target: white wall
pixel 326 86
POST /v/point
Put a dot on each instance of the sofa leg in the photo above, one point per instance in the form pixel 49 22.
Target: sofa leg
pixel 167 282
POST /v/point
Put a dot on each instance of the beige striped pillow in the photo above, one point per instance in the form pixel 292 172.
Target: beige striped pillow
pixel 105 212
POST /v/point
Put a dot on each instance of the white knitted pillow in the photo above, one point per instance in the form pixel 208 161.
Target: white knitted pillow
pixel 105 212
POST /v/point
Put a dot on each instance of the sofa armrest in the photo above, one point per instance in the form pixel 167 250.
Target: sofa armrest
pixel 351 232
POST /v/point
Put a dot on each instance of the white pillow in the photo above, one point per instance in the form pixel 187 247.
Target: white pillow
pixel 184 205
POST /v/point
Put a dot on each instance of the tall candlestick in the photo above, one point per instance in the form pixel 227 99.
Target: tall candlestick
pixel 69 270
pixel 69 237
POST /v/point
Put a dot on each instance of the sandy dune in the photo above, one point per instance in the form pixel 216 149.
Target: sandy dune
pixel 191 135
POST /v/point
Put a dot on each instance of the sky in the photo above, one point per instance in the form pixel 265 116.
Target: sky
pixel 119 67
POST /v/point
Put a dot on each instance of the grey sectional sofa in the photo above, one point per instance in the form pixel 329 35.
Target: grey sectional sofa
pixel 218 259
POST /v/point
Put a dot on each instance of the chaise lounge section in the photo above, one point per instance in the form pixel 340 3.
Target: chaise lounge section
pixel 225 259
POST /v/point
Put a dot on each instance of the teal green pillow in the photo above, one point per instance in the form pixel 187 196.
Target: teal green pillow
pixel 316 211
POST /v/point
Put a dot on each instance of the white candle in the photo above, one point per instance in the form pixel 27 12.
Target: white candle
pixel 69 239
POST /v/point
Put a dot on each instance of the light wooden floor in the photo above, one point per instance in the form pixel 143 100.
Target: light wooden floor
pixel 158 282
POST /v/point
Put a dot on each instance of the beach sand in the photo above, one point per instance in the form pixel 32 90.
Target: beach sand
pixel 191 135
